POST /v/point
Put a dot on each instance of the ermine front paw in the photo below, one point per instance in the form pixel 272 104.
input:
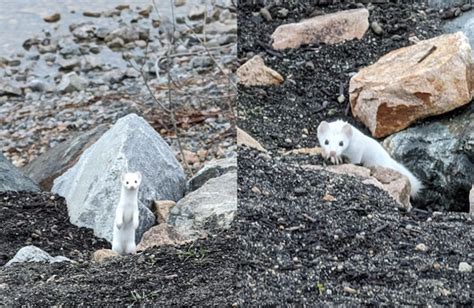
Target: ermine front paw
pixel 337 160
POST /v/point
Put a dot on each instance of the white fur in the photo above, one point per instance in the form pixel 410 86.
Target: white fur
pixel 360 149
pixel 126 215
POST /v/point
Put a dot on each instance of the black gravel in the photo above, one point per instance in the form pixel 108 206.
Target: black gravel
pixel 298 249
pixel 41 219
pixel 315 75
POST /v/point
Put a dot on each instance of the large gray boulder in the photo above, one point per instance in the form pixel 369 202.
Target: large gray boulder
pixel 34 254
pixel 441 154
pixel 53 163
pixel 208 209
pixel 212 169
pixel 11 179
pixel 92 186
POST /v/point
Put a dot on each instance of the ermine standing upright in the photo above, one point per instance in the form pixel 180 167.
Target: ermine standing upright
pixel 127 215
pixel 340 138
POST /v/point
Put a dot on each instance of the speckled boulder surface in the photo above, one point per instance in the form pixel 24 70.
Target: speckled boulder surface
pixel 12 179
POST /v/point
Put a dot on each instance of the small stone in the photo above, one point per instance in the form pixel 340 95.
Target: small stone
pixel 122 7
pixel 256 190
pixel 329 197
pixel 116 43
pixel 91 14
pixel 68 64
pixel 421 247
pixel 254 72
pixel 437 266
pixel 37 85
pixel 283 13
pixel 341 98
pixel 245 139
pixel 376 28
pixel 52 18
pixel 179 3
pixel 266 14
pixel 350 290
pixel 102 254
pixel 197 12
pixel 465 267
pixel 466 7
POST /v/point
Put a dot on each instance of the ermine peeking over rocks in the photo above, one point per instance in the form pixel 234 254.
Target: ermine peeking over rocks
pixel 340 138
pixel 127 215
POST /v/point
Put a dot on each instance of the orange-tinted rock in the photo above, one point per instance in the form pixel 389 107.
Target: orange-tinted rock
pixel 330 29
pixel 255 73
pixel 245 139
pixel 429 78
pixel 162 234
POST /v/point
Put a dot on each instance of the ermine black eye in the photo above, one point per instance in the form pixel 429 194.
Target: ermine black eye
pixel 127 182
pixel 341 144
pixel 135 182
pixel 326 142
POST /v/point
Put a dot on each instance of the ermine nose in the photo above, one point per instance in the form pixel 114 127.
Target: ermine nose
pixel 332 153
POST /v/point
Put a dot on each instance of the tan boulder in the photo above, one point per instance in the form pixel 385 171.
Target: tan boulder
pixel 426 79
pixel 397 185
pixel 162 209
pixel 162 234
pixel 245 139
pixel 102 254
pixel 255 73
pixel 330 29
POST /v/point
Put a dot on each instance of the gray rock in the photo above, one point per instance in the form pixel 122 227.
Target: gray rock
pixel 442 154
pixel 116 43
pixel 102 32
pixel 68 64
pixel 113 76
pixel 92 186
pixel 375 26
pixel 201 61
pixel 37 85
pixel 12 179
pixel 34 254
pixel 212 169
pixel 72 82
pixel 51 48
pixel 208 209
pixel 53 163
pixel 8 88
pixel 197 12
pixel 67 47
pixel 84 31
pixel 464 23
pixel 442 4
pixel 126 33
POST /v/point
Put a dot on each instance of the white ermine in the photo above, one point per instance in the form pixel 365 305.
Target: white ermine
pixel 340 138
pixel 127 215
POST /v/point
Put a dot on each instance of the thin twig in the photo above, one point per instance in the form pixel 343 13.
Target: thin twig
pixel 432 49
pixel 231 107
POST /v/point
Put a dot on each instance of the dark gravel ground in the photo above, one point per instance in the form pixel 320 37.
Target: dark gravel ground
pixel 41 219
pixel 286 246
pixel 298 249
pixel 286 116
pixel 192 275
pixel 315 75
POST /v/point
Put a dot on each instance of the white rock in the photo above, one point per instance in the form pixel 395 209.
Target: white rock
pixel 465 267
pixel 34 254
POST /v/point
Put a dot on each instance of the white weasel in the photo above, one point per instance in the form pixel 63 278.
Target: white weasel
pixel 340 138
pixel 127 215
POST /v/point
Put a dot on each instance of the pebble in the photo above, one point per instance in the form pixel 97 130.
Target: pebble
pixel 52 18
pixel 465 267
pixel 266 14
pixel 91 14
pixel 421 247
pixel 350 290
pixel 341 98
pixel 376 28
pixel 283 13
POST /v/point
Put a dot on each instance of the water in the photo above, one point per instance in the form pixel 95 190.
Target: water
pixel 23 19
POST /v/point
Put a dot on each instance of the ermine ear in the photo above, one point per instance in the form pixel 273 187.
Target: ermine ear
pixel 323 127
pixel 347 130
pixel 139 174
